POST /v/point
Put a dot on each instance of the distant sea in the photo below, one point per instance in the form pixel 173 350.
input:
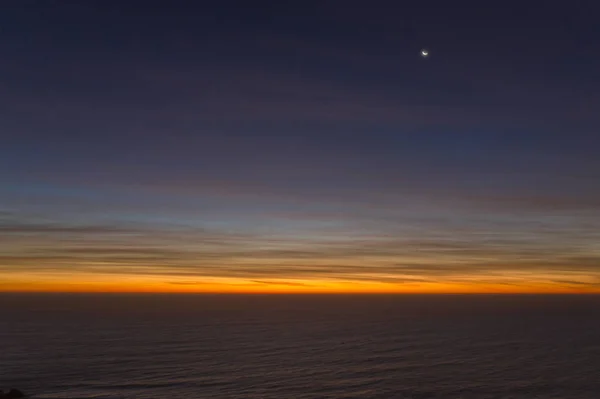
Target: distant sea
pixel 275 347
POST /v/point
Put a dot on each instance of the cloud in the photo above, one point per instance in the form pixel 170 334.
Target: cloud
pixel 51 228
pixel 279 282
pixel 187 282
pixel 374 261
pixel 362 247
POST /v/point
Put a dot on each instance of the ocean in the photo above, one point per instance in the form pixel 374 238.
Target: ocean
pixel 301 347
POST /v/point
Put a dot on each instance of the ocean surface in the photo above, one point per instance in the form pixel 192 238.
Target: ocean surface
pixel 220 346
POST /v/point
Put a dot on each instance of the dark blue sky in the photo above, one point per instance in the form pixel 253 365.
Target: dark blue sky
pixel 315 122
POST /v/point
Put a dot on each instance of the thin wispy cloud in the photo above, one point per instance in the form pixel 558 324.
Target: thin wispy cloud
pixel 473 255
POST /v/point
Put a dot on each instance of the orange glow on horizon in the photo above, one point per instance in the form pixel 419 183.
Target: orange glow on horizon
pixel 109 284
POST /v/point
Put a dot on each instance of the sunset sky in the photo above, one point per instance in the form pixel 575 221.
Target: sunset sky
pixel 275 146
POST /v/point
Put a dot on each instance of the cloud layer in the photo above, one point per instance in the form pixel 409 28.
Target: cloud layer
pixel 408 252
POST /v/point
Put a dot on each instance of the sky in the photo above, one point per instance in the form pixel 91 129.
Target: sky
pixel 279 146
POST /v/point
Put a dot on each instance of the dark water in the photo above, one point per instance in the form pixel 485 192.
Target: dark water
pixel 301 346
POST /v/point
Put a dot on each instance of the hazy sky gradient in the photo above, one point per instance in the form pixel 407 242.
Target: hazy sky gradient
pixel 300 146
